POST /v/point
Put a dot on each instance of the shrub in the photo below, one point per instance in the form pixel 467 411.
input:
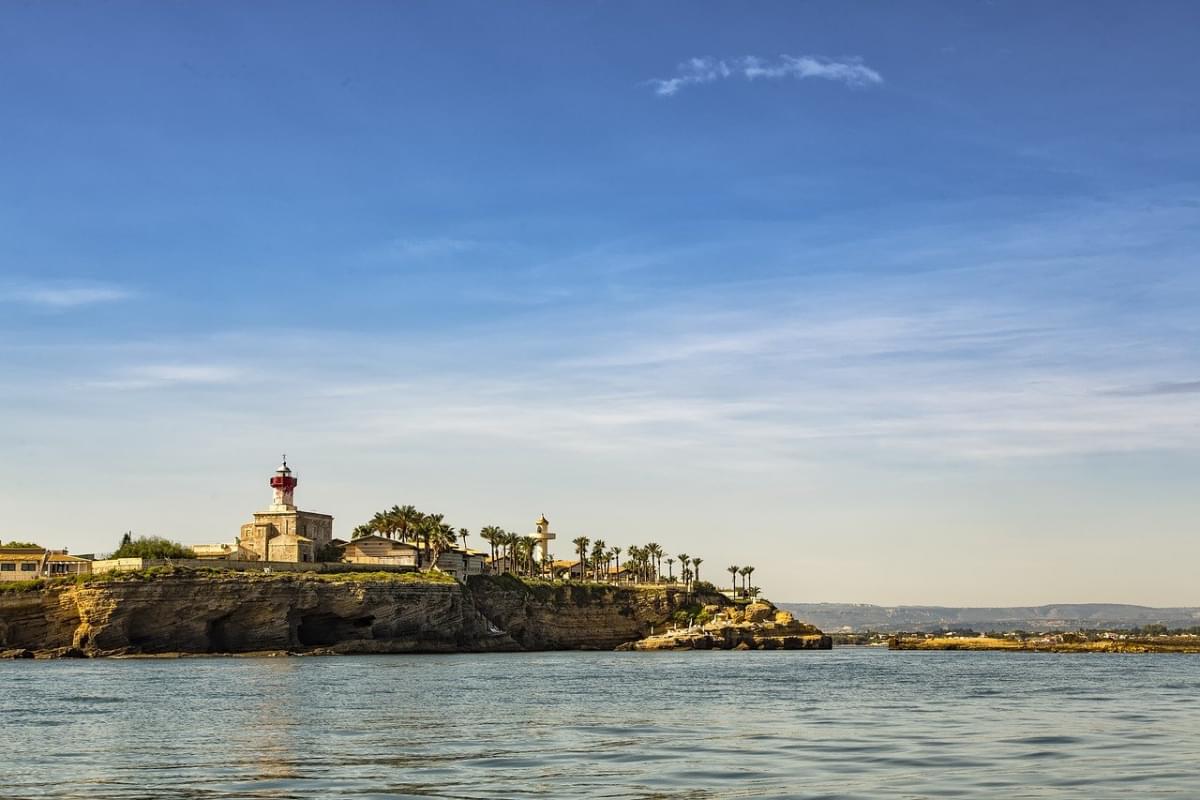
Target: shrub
pixel 151 547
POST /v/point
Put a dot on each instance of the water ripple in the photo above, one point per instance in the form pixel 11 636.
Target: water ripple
pixel 853 723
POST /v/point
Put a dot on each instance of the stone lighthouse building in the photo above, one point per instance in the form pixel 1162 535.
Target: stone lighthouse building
pixel 283 532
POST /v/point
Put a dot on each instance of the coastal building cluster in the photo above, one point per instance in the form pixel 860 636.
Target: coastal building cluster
pixel 397 539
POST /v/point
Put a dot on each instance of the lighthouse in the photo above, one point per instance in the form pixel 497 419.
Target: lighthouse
pixel 283 483
pixel 284 532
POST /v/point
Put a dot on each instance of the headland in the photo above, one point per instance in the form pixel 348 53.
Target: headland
pixel 177 611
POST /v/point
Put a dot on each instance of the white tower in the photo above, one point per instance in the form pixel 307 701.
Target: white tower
pixel 543 535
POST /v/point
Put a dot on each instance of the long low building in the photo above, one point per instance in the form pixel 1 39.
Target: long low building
pixel 28 563
pixel 458 561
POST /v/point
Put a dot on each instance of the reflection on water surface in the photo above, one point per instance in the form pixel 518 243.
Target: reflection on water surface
pixel 848 723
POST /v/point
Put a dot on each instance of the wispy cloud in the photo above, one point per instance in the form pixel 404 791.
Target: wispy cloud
pixel 849 71
pixel 151 376
pixel 1156 389
pixel 416 249
pixel 1003 343
pixel 63 295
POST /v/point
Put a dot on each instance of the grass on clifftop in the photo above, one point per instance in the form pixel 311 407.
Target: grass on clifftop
pixel 156 573
pixel 573 591
pixel 548 590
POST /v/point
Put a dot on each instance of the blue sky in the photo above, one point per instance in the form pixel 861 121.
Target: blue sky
pixel 858 293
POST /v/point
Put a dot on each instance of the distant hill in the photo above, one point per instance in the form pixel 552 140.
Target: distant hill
pixel 831 617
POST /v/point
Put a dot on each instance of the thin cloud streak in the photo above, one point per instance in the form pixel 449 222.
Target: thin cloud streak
pixel 421 249
pixel 154 376
pixel 1157 389
pixel 695 71
pixel 61 296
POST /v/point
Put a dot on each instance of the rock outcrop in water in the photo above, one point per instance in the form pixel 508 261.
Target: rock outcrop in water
pixel 758 626
pixel 186 611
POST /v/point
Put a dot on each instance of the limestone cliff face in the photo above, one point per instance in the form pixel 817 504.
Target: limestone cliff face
pixel 239 612
pixel 574 616
pixel 185 611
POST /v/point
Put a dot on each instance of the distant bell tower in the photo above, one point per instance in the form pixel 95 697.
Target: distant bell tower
pixel 284 485
pixel 543 536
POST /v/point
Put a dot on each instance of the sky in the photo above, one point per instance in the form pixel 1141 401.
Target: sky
pixel 895 302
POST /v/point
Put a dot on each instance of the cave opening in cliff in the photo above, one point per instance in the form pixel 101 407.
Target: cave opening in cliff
pixel 317 630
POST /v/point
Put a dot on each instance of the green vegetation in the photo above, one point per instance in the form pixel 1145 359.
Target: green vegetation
pixel 16 587
pixel 549 591
pixel 691 613
pixel 15 543
pixel 158 573
pixel 150 547
pixel 516 554
pixel 329 554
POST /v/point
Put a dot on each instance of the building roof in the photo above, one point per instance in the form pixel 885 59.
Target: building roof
pixel 458 548
pixel 57 556
pixel 36 554
pixel 21 555
pixel 376 537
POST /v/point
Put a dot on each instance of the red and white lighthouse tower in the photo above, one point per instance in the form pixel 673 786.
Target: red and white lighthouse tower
pixel 284 484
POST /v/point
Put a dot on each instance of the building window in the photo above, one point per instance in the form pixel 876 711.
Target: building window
pixel 8 566
pixel 28 567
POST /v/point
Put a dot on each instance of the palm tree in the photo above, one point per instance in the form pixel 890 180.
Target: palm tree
pixel 489 534
pixel 504 548
pixel 361 531
pixel 439 538
pixel 516 553
pixel 581 544
pixel 744 572
pixel 655 552
pixel 463 533
pixel 635 561
pixel 670 572
pixel 733 571
pixel 530 547
pixel 429 524
pixel 696 563
pixel 383 524
pixel 598 550
pixel 408 519
pixel 616 551
pixel 749 572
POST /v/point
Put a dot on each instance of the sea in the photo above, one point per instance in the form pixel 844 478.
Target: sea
pixel 847 723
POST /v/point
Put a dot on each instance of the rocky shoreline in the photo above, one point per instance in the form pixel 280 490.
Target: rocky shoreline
pixel 1161 644
pixel 758 626
pixel 180 612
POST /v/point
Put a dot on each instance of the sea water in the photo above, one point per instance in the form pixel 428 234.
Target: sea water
pixel 851 723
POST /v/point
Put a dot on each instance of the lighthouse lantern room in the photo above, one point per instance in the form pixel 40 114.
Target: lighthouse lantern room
pixel 283 482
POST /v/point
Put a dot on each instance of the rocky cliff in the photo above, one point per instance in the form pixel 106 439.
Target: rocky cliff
pixel 186 611
pixel 199 612
pixel 570 616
